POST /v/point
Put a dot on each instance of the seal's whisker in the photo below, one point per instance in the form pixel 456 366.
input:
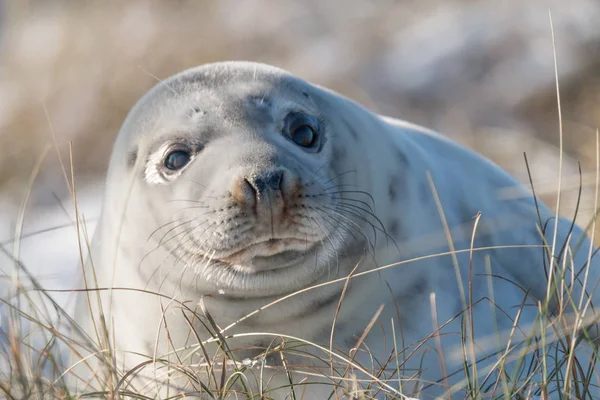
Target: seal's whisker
pixel 343 243
pixel 193 208
pixel 344 199
pixel 184 256
pixel 346 223
pixel 194 256
pixel 185 233
pixel 206 262
pixel 170 251
pixel 314 173
pixel 368 246
pixel 210 258
pixel 333 248
pixel 158 246
pixel 363 213
pixel 341 185
pixel 355 192
pixel 338 176
pixel 197 183
pixel 179 249
pixel 337 233
pixel 342 224
pixel 158 267
pixel 196 251
pixel 199 244
pixel 310 221
pixel 382 228
pixel 195 239
pixel 342 211
pixel 164 226
pixel 163 238
pixel 191 261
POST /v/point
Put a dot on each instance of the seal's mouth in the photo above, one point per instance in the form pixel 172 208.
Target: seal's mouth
pixel 268 254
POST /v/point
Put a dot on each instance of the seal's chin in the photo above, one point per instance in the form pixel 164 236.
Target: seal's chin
pixel 269 254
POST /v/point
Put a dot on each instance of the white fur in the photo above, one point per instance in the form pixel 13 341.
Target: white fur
pixel 389 159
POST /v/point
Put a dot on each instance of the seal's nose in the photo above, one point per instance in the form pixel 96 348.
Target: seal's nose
pixel 266 191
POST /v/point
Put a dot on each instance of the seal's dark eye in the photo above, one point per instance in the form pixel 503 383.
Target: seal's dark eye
pixel 302 129
pixel 303 136
pixel 177 159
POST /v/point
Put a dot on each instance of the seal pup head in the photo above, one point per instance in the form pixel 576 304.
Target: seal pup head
pixel 233 183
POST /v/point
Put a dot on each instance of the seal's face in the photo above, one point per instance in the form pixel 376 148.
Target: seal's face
pixel 238 176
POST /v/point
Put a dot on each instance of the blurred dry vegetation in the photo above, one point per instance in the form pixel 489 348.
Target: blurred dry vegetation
pixel 481 72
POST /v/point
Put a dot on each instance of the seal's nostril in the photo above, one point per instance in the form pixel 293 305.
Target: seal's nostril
pixel 273 180
pixel 249 185
pixel 270 181
pixel 243 192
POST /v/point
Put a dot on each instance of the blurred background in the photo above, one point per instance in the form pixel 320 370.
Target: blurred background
pixel 480 72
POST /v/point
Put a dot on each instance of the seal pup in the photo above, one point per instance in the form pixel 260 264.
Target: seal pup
pixel 233 186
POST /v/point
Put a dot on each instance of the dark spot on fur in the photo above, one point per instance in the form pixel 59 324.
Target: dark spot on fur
pixel 420 286
pixel 339 153
pixel 393 190
pixel 402 159
pixel 397 182
pixel 132 157
pixel 397 187
pixel 320 303
pixel 425 193
pixel 352 340
pixel 326 302
pixel 394 228
pixel 306 95
pixel 338 157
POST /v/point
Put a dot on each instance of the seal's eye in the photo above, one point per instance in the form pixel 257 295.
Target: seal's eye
pixel 302 129
pixel 177 159
pixel 303 136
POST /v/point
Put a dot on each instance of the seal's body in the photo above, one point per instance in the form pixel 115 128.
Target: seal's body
pixel 233 186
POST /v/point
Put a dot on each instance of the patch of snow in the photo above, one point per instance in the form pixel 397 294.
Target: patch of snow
pixel 48 247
